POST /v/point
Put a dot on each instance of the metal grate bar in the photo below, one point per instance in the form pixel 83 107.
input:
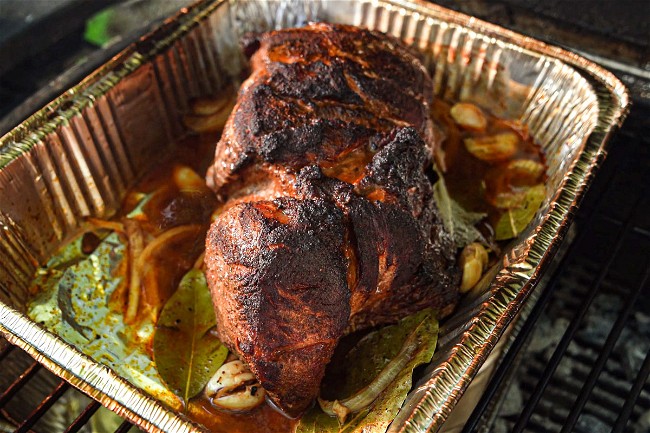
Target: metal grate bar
pixel 504 367
pixel 83 417
pixel 45 405
pixel 6 351
pixel 562 346
pixel 642 231
pixel 19 383
pixel 633 396
pixel 124 427
pixel 597 368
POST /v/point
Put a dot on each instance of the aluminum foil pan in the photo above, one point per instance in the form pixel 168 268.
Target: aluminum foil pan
pixel 77 156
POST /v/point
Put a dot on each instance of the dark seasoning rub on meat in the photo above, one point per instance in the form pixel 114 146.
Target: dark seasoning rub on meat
pixel 329 223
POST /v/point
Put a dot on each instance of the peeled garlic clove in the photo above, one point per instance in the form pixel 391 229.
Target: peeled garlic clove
pixel 244 400
pixel 234 387
pixel 473 260
pixel 469 116
pixel 493 148
pixel 509 199
pixel 230 374
pixel 524 171
pixel 186 178
pixel 507 186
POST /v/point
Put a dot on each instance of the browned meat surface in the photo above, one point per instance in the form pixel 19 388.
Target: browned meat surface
pixel 329 223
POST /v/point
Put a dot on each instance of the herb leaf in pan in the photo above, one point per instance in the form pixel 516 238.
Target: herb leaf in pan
pixel 514 220
pixel 360 370
pixel 460 223
pixel 186 350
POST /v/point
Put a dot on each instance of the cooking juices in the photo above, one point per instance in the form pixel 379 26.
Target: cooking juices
pixel 105 292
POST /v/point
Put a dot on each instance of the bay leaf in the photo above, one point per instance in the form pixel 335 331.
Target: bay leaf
pixel 368 357
pixel 186 350
pixel 85 287
pixel 78 304
pixel 459 222
pixel 513 221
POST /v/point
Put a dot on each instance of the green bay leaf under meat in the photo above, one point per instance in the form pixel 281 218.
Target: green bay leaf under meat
pixel 186 350
pixel 363 363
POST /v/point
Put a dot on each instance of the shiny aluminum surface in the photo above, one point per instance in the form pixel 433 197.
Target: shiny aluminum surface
pixel 76 158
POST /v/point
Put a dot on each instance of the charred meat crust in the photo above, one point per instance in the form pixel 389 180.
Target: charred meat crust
pixel 281 298
pixel 321 90
pixel 329 223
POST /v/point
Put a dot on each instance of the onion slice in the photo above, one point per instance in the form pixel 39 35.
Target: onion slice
pixel 135 239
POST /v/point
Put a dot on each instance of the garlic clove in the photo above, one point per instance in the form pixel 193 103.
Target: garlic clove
pixel 493 148
pixel 473 261
pixel 469 116
pixel 233 387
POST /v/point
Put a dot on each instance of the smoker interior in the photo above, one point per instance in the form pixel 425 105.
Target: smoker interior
pixel 577 362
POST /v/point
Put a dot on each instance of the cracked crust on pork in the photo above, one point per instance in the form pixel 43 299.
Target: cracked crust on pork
pixel 329 224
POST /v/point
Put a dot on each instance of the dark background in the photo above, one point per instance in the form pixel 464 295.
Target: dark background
pixel 42 39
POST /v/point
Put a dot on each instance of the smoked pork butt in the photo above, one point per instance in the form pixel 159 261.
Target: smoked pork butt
pixel 328 223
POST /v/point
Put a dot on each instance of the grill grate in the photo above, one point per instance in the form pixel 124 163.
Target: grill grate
pixel 32 383
pixel 581 360
pixel 83 417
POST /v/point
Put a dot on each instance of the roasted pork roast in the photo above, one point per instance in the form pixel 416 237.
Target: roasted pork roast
pixel 328 223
